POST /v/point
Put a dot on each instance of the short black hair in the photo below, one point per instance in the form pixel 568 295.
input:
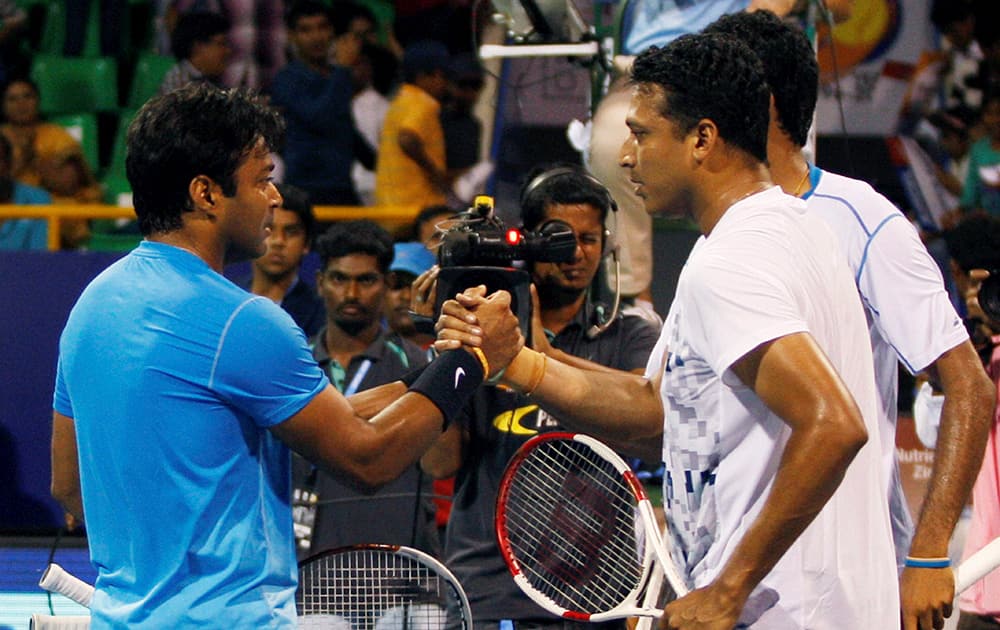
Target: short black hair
pixel 193 28
pixel 561 183
pixel 789 64
pixel 714 77
pixel 306 8
pixel 345 12
pixel 297 200
pixel 424 57
pixel 195 130
pixel 974 243
pixel 356 237
pixel 945 13
pixel 385 67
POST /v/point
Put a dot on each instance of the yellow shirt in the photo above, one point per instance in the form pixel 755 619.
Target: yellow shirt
pixel 398 179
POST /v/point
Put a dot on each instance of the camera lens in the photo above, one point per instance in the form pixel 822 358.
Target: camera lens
pixel 989 296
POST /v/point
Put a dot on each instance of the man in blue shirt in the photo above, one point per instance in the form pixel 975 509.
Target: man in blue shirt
pixel 315 98
pixel 178 394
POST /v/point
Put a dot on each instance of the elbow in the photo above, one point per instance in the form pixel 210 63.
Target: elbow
pixel 845 437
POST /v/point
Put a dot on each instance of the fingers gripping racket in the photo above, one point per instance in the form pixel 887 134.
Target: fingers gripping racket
pixel 578 532
pixel 379 587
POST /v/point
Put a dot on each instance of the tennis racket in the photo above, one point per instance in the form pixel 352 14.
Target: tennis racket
pixel 55 579
pixel 578 532
pixel 977 566
pixel 379 587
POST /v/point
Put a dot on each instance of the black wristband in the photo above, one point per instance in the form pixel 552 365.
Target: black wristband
pixel 411 377
pixel 449 381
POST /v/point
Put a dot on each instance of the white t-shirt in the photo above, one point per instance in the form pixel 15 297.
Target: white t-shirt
pixel 910 317
pixel 767 270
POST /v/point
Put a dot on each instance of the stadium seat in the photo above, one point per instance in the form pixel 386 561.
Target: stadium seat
pixel 149 72
pixel 53 37
pixel 75 84
pixel 83 127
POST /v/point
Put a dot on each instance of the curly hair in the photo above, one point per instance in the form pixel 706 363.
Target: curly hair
pixel 195 130
pixel 713 77
pixel 356 237
pixel 789 65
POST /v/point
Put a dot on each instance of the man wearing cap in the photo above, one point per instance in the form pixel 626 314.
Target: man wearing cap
pixel 409 261
pixel 411 168
pixel 357 352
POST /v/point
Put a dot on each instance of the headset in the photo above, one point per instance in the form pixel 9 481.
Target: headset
pixel 608 245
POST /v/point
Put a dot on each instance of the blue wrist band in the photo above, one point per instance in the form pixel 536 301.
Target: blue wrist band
pixel 449 381
pixel 927 563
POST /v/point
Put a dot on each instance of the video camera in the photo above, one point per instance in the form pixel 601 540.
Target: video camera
pixel 479 249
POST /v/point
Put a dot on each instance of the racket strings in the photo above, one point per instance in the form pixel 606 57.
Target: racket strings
pixel 574 529
pixel 369 589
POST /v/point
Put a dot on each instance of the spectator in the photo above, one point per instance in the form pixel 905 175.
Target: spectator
pixel 374 77
pixel 20 233
pixel 201 45
pixel 315 98
pixel 33 140
pixel 462 130
pixel 501 420
pixel 66 176
pixel 357 352
pixel 276 273
pixel 409 260
pixel 976 243
pixel 256 36
pixel 982 183
pixel 411 167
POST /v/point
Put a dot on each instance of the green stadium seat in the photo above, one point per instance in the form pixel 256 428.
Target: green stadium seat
pixel 147 77
pixel 75 84
pixel 83 127
pixel 54 30
pixel 114 180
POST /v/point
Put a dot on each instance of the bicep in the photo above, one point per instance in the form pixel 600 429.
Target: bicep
pixel 796 381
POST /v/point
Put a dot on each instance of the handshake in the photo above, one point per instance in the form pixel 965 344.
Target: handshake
pixel 485 326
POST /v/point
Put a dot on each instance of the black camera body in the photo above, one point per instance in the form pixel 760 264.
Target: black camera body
pixel 479 249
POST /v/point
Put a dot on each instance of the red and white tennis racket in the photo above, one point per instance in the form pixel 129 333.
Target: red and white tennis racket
pixel 379 587
pixel 578 532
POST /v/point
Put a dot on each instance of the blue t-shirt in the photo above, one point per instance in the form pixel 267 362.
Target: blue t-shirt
pixel 26 233
pixel 173 376
pixel 659 22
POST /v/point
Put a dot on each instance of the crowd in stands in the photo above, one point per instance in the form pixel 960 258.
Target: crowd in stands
pixel 333 68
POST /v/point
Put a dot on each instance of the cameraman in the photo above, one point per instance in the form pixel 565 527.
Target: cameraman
pixel 975 247
pixel 500 420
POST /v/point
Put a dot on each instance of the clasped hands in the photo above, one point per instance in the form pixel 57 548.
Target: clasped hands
pixel 477 320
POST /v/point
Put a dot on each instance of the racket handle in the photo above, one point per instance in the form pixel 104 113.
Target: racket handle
pixel 58 580
pixel 977 566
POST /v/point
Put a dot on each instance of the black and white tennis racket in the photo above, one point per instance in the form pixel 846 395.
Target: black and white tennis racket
pixel 379 587
pixel 578 532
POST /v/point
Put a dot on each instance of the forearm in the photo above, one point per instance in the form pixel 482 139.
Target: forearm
pixel 411 145
pixel 581 399
pixel 966 418
pixel 444 458
pixel 368 403
pixel 65 482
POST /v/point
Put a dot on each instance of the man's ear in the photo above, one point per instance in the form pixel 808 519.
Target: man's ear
pixel 201 190
pixel 705 135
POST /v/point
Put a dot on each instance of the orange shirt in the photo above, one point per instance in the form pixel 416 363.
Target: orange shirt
pixel 398 179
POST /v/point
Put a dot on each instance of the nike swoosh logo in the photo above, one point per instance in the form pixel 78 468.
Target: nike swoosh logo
pixel 459 373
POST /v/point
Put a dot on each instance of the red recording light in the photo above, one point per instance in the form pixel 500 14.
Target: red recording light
pixel 513 236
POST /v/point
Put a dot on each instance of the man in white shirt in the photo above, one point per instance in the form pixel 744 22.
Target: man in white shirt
pixel 910 316
pixel 760 391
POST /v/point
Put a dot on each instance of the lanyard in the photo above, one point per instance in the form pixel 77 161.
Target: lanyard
pixel 338 374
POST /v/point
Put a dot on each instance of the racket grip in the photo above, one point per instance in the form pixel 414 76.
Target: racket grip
pixel 58 580
pixel 977 566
